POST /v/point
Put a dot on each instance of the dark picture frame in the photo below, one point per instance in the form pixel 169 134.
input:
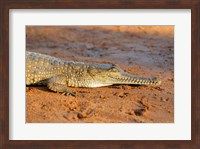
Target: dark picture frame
pixel 6 5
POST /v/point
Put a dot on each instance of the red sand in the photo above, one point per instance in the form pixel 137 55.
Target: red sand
pixel 141 50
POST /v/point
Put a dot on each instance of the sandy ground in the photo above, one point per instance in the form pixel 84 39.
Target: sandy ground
pixel 141 50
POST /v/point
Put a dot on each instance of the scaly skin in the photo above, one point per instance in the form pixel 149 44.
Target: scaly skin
pixel 58 74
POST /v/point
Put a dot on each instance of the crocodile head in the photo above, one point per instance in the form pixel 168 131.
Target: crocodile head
pixel 109 74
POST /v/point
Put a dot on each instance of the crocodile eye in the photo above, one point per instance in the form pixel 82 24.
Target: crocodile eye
pixel 113 65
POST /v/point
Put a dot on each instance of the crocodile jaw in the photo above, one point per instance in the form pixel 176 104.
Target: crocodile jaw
pixel 98 85
pixel 124 78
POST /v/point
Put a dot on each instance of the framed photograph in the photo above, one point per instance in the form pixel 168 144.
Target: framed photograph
pixel 100 74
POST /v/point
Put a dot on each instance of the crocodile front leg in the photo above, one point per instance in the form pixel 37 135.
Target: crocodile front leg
pixel 59 84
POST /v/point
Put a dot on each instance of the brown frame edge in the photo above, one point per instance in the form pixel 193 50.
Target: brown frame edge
pixel 194 5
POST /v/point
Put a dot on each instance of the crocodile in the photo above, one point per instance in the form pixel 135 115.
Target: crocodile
pixel 58 74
